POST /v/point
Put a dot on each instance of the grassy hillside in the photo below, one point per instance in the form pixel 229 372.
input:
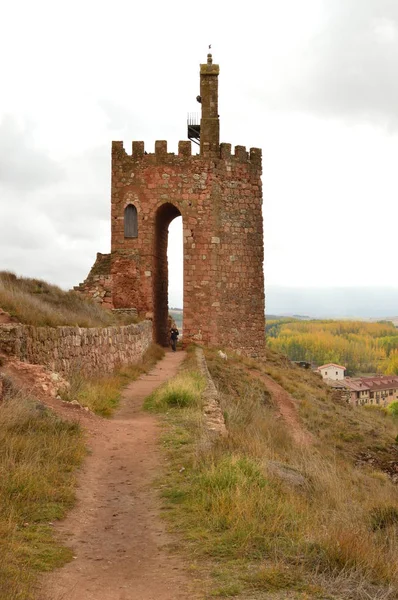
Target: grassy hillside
pixel 264 517
pixel 361 346
pixel 35 302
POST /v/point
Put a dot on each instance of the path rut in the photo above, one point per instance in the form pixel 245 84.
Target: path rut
pixel 287 409
pixel 115 530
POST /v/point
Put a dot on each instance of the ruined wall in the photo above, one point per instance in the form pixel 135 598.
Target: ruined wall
pixel 98 283
pixel 64 349
pixel 220 200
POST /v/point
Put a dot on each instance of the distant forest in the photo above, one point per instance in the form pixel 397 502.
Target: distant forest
pixel 360 346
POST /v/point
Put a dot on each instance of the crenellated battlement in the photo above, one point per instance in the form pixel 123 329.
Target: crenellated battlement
pixel 253 156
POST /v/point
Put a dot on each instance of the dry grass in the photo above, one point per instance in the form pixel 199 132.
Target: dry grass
pixel 39 454
pixel 34 302
pixel 267 515
pixel 101 393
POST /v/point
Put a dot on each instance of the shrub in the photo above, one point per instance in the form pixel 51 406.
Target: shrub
pixel 393 408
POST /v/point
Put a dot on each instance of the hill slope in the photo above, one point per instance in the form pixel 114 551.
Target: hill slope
pixel 35 302
pixel 264 513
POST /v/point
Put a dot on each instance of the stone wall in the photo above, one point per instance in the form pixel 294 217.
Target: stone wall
pixel 214 421
pixel 98 284
pixel 64 349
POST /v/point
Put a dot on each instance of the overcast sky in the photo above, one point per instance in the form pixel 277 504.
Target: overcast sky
pixel 312 82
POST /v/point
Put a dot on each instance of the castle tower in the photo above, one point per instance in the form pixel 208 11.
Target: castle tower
pixel 218 194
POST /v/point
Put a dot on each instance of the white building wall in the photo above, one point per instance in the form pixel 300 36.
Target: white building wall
pixel 332 372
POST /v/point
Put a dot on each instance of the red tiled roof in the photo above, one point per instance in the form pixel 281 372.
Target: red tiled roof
pixel 381 382
pixel 355 386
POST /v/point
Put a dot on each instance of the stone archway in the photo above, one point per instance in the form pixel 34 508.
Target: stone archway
pixel 164 216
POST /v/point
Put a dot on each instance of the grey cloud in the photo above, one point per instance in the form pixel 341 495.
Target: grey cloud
pixel 77 215
pixel 350 68
pixel 22 225
pixel 54 231
pixel 22 166
pixel 80 207
pixel 19 236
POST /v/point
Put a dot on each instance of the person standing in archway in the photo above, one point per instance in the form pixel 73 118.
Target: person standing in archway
pixel 174 333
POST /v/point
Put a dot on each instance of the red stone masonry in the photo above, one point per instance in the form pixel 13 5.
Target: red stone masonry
pixel 219 196
pixel 220 201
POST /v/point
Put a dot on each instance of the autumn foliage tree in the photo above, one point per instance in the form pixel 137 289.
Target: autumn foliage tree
pixel 360 346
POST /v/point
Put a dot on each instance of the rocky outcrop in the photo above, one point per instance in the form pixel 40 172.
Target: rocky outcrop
pixel 65 349
pixel 288 475
pixel 34 380
pixel 213 417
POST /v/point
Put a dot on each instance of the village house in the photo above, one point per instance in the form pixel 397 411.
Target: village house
pixel 380 390
pixel 332 371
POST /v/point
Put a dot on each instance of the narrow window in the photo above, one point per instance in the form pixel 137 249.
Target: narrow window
pixel 130 221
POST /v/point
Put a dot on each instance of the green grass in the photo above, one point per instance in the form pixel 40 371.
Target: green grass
pixel 182 391
pixel 39 455
pixel 102 393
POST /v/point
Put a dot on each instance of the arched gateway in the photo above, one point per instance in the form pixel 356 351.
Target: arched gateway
pixel 218 194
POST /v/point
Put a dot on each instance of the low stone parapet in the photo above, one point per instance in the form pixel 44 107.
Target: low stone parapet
pixel 213 416
pixel 65 349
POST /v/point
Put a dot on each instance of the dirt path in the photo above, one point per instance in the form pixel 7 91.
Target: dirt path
pixel 119 540
pixel 287 409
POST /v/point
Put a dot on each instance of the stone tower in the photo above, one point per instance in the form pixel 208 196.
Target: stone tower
pixel 219 196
